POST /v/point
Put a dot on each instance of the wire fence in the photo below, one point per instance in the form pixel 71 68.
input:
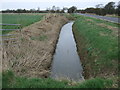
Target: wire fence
pixel 7 39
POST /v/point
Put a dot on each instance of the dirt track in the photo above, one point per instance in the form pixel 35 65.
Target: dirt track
pixel 34 55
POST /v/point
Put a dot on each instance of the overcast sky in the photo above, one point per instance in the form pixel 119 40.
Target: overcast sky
pixel 43 4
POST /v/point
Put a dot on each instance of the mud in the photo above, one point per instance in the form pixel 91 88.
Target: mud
pixel 32 55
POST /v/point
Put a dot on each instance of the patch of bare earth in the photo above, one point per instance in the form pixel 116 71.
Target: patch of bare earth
pixel 32 57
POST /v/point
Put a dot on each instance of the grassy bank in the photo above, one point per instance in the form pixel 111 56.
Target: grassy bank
pixel 97 43
pixel 12 81
pixel 23 19
pixel 97 48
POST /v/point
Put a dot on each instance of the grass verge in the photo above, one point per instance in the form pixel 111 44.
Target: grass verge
pixel 97 44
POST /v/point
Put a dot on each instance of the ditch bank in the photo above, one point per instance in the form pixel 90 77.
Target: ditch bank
pixel 83 54
pixel 32 56
pixel 97 47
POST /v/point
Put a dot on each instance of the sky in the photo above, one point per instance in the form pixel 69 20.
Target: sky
pixel 43 4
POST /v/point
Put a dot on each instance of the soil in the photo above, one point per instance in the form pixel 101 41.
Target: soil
pixel 32 55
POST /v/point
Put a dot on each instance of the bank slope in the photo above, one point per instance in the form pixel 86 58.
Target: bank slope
pixel 97 43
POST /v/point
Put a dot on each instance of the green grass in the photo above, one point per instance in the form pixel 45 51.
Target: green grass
pixel 40 38
pixel 100 52
pixel 23 19
pixel 98 20
pixel 12 81
pixel 103 21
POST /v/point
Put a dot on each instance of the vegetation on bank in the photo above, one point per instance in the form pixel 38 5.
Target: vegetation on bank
pixel 12 81
pixel 23 19
pixel 97 43
pixel 97 46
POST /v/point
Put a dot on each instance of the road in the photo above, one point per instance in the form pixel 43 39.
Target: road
pixel 112 19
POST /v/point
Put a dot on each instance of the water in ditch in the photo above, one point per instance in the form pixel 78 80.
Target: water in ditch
pixel 66 62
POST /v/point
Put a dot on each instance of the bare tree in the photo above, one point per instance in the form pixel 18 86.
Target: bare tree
pixel 99 6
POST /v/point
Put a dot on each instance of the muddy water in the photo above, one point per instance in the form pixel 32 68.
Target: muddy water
pixel 66 62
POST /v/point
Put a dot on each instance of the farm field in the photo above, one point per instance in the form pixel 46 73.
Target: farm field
pixel 23 19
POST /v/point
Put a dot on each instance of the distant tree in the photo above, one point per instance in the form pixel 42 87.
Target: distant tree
pixel 62 11
pixel 8 11
pixel 118 9
pixel 19 10
pixel 38 10
pixel 32 10
pixel 24 11
pixel 100 10
pixel 65 9
pixel 99 6
pixel 48 10
pixel 53 9
pixel 57 10
pixel 90 10
pixel 110 8
pixel 72 9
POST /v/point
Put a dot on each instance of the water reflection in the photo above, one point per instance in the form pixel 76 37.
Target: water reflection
pixel 66 62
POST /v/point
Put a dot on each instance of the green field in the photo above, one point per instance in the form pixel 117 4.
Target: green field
pixel 23 19
pixel 97 42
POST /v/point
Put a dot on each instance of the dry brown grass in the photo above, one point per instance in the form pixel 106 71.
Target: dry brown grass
pixel 114 29
pixel 33 57
pixel 89 20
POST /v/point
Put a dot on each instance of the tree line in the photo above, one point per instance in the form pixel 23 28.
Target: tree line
pixel 109 8
pixel 54 9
